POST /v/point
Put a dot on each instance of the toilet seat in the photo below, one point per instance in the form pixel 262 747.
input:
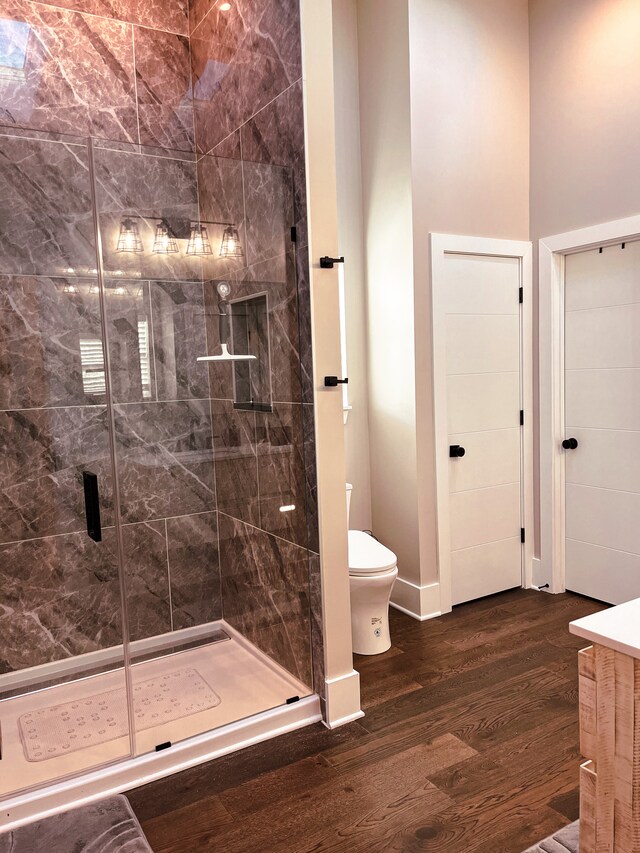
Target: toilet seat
pixel 367 556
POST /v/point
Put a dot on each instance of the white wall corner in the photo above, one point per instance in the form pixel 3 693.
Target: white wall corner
pixel 419 602
pixel 342 700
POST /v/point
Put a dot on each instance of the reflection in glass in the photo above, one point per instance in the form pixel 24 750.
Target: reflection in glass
pixel 129 238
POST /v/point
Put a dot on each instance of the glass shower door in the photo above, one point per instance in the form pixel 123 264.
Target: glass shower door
pixel 63 695
pixel 197 258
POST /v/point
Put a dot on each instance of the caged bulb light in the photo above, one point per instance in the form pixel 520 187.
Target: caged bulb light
pixel 199 241
pixel 129 237
pixel 165 243
pixel 231 246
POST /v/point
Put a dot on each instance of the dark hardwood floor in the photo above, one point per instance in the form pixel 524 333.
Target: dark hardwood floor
pixel 469 745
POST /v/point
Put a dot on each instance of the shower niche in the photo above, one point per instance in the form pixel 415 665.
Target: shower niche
pixel 249 321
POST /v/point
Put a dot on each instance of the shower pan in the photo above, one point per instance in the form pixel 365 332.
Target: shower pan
pixel 155 531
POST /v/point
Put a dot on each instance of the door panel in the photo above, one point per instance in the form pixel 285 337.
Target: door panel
pixel 480 316
pixel 601 279
pixel 603 338
pixel 491 342
pixel 604 517
pixel 480 285
pixel 484 515
pixel 602 411
pixel 496 459
pixel 472 566
pixel 483 401
pixel 586 565
pixel 608 459
pixel 602 399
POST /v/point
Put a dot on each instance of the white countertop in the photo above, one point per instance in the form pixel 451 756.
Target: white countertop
pixel 618 628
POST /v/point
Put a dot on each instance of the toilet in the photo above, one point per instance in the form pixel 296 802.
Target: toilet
pixel 372 572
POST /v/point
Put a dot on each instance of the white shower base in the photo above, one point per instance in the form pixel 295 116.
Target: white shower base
pixel 247 682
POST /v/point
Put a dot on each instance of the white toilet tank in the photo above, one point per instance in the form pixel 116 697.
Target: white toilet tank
pixel 349 490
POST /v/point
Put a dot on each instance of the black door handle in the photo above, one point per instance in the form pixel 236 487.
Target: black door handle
pixel 333 381
pixel 455 451
pixel 570 443
pixel 92 505
pixel 326 263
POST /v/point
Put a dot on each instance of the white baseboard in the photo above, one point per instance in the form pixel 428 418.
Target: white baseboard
pixel 419 602
pixel 342 699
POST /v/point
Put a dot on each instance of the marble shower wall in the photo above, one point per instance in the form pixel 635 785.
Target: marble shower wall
pixel 114 69
pixel 119 71
pixel 195 113
pixel 249 133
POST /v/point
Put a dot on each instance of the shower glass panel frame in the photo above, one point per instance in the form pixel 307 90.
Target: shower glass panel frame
pixel 205 510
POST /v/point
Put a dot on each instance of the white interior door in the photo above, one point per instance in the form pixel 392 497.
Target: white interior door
pixel 477 378
pixel 602 413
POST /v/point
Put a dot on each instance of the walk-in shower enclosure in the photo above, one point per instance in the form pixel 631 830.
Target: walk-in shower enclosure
pixel 158 534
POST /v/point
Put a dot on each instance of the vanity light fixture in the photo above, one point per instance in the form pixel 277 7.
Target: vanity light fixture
pixel 199 240
pixel 165 243
pixel 167 236
pixel 231 246
pixel 129 239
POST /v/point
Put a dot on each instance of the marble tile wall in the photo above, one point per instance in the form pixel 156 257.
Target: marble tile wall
pixel 216 99
pixel 249 133
pixel 54 420
pixel 115 69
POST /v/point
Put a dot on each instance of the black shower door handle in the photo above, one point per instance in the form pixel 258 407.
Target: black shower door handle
pixel 92 505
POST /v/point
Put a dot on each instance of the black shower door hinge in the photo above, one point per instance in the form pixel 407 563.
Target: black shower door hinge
pixel 521 417
pixel 294 234
pixel 522 535
pixel 521 295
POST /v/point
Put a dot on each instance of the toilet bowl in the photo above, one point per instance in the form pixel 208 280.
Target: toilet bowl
pixel 372 572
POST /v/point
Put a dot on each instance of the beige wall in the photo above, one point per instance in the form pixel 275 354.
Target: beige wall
pixel 585 116
pixel 585 113
pixel 470 129
pixel 383 53
pixel 446 129
pixel 445 139
pixel 351 245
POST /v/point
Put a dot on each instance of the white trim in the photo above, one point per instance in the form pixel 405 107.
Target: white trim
pixel 552 252
pixel 442 244
pixel 419 602
pixel 342 697
pixel 147 768
pixel 319 113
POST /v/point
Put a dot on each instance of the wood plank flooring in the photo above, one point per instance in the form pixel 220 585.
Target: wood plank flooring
pixel 469 745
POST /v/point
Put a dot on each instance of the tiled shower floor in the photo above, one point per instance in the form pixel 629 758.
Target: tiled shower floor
pixel 245 680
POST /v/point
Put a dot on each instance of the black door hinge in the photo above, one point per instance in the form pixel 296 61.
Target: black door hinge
pixel 294 234
pixel 522 535
pixel 521 417
pixel 521 295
